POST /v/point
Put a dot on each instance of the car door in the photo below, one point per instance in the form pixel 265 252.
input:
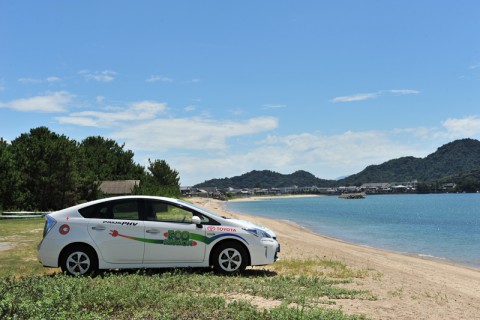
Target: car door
pixel 118 231
pixel 171 235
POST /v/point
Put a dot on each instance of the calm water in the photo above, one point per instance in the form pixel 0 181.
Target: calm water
pixel 444 226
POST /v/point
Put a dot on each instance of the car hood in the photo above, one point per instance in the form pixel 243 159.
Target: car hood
pixel 249 224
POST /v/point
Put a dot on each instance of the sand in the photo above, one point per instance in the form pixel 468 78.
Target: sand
pixel 406 287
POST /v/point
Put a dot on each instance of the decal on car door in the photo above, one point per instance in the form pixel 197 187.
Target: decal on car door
pixel 179 238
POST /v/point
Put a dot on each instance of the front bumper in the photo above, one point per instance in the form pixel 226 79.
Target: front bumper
pixel 265 252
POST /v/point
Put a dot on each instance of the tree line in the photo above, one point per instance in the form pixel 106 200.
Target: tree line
pixel 42 170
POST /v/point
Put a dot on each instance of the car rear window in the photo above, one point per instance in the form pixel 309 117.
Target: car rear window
pixel 118 210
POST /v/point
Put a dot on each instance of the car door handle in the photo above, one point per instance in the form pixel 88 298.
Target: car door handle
pixel 98 228
pixel 153 231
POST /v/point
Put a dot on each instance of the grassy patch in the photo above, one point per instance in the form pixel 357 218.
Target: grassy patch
pixel 291 289
pixel 168 295
pixel 20 237
pixel 319 267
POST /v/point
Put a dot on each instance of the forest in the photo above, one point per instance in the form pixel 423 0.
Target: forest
pixel 42 170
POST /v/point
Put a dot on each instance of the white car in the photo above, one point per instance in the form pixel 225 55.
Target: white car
pixel 151 232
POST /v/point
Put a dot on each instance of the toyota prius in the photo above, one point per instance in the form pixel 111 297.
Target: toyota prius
pixel 151 232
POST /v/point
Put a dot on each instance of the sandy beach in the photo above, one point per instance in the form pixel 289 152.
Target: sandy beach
pixel 405 287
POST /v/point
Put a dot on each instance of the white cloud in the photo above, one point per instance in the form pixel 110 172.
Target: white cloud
pixel 190 133
pixel 463 128
pixel 99 76
pixel 374 95
pixel 50 79
pixel 343 150
pixel 326 157
pixel 418 132
pixel 143 110
pixel 355 97
pixel 273 106
pixel 54 102
pixel 403 91
pixel 53 79
pixel 158 79
pixel 79 121
pixel 29 80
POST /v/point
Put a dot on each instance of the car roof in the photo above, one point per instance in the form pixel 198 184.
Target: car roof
pixel 93 202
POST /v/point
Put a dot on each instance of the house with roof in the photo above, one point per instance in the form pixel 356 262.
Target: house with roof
pixel 375 187
pixel 118 187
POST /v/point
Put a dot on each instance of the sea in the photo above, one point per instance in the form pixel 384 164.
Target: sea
pixel 437 226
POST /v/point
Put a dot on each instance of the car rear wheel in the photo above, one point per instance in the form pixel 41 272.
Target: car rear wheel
pixel 230 258
pixel 79 260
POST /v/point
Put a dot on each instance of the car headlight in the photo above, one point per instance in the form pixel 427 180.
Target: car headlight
pixel 258 233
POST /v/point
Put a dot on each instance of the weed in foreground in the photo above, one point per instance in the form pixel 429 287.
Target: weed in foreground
pixel 319 267
pixel 167 295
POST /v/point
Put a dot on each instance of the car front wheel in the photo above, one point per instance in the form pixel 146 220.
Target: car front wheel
pixel 230 258
pixel 79 260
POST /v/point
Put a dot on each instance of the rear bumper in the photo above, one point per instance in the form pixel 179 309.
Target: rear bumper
pixel 48 253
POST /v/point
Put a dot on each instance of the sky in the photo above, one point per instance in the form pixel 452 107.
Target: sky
pixel 220 88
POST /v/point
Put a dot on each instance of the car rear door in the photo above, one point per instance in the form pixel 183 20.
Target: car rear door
pixel 118 231
pixel 171 235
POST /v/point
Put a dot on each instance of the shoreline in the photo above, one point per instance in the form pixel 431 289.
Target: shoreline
pixel 407 286
pixel 260 198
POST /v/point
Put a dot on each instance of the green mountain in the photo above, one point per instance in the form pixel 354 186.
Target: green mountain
pixel 457 161
pixel 268 179
pixel 451 160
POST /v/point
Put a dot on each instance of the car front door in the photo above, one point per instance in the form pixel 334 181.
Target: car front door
pixel 171 236
pixel 118 231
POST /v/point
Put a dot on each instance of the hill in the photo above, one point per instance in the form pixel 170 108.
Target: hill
pixel 268 179
pixel 451 160
pixel 457 161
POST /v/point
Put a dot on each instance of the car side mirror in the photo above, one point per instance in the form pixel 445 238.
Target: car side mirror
pixel 196 220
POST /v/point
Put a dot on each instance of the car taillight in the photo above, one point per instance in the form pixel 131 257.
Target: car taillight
pixel 49 223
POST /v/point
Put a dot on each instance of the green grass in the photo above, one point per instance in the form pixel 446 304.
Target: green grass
pixel 22 237
pixel 170 295
pixel 319 267
pixel 291 289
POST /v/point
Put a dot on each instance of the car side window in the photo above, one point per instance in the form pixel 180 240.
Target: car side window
pixel 127 210
pixel 117 210
pixel 165 212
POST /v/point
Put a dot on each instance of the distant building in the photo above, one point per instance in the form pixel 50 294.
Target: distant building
pixel 375 187
pixel 118 187
pixel 449 186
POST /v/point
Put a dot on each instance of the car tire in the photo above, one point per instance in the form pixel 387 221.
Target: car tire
pixel 79 260
pixel 230 258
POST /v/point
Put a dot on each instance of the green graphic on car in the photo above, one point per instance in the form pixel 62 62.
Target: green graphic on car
pixel 179 238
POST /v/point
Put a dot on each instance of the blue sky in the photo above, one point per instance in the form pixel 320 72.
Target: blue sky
pixel 220 88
